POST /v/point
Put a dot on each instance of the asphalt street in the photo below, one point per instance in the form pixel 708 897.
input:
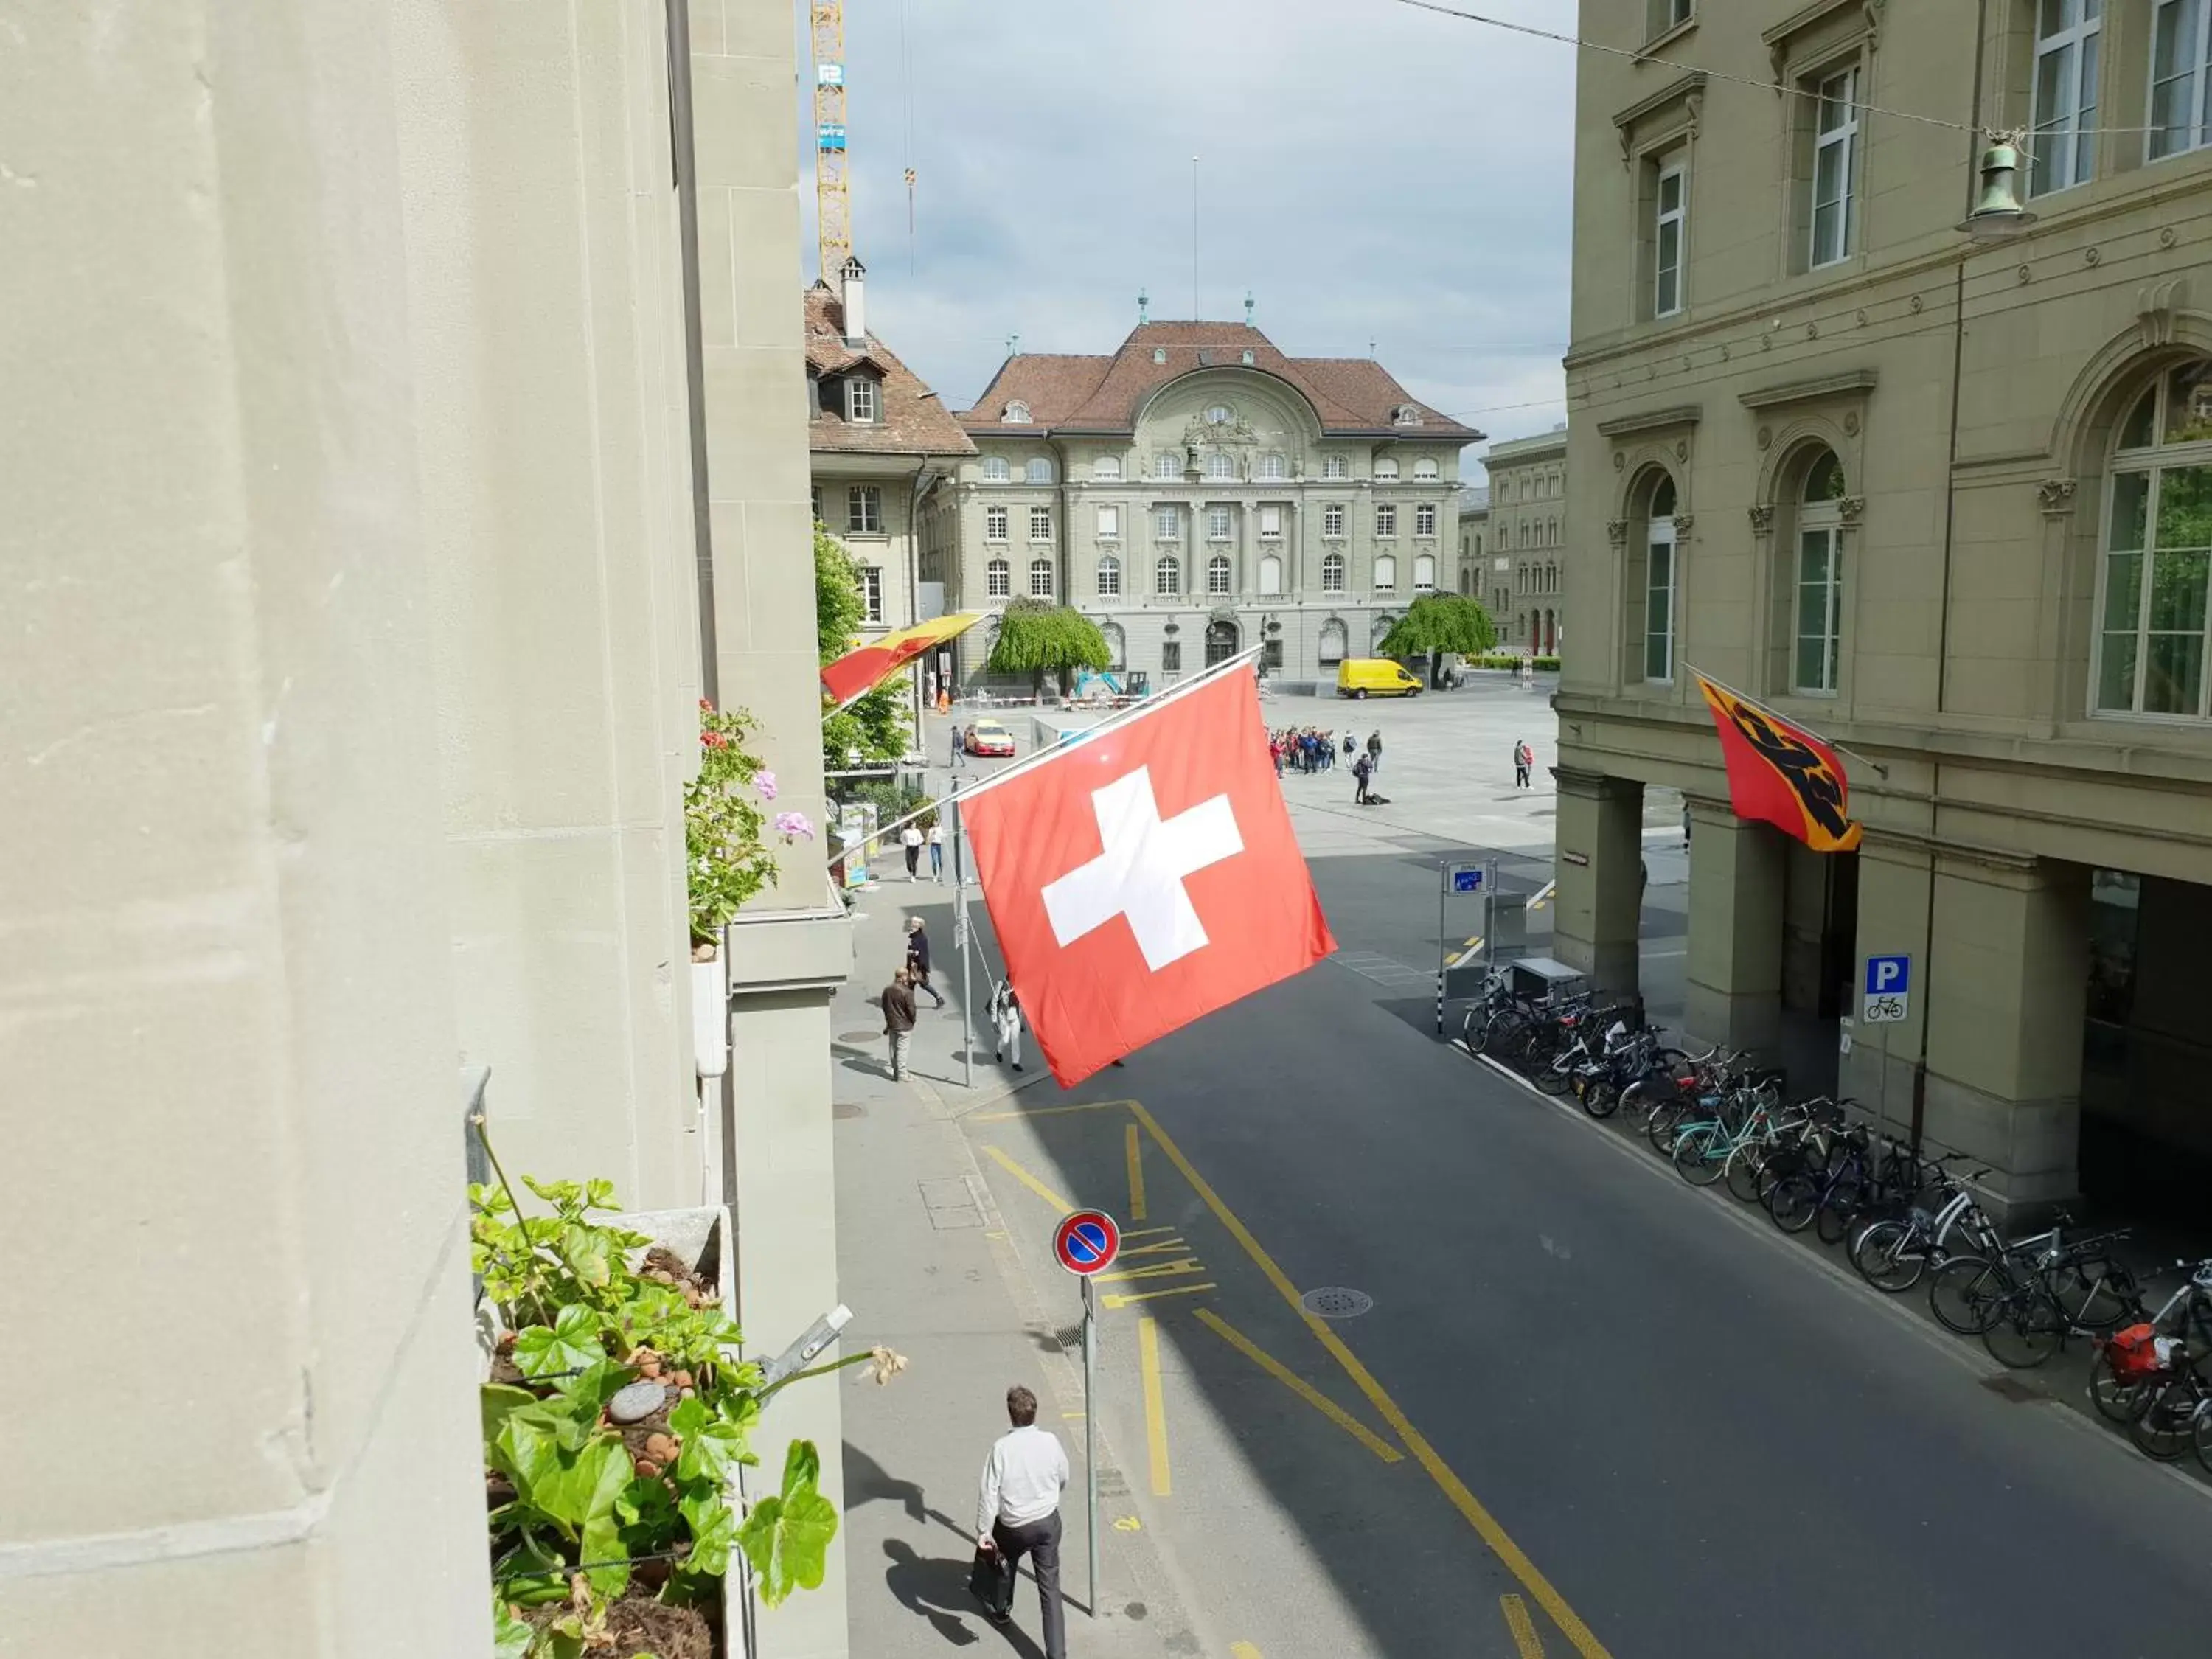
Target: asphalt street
pixel 1590 1409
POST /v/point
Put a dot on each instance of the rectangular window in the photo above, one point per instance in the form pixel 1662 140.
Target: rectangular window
pixel 1332 520
pixel 1109 576
pixel 1820 610
pixel 1171 656
pixel 998 579
pixel 1167 523
pixel 2151 651
pixel 1659 606
pixel 1661 16
pixel 2063 150
pixel 1040 523
pixel 1217 524
pixel 1271 524
pixel 864 510
pixel 871 593
pixel 1335 466
pixel 1425 518
pixel 1670 211
pixel 1109 524
pixel 1039 579
pixel 2180 49
pixel 860 399
pixel 1167 464
pixel 1835 163
pixel 1386 519
pixel 994 524
pixel 1271 656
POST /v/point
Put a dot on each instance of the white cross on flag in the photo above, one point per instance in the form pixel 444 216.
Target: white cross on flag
pixel 1145 876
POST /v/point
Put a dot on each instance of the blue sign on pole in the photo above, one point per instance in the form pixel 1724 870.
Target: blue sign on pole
pixel 829 136
pixel 1467 878
pixel 1888 976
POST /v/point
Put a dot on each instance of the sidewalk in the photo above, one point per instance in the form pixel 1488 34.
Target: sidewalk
pixel 924 1262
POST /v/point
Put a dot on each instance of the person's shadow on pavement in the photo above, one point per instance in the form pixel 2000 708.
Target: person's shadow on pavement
pixel 933 1587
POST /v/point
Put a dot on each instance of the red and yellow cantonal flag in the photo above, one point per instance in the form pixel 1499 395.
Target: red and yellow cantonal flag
pixel 860 671
pixel 1780 774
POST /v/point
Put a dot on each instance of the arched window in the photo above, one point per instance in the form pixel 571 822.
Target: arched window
pixel 1384 622
pixel 1106 468
pixel 1117 645
pixel 2157 553
pixel 1386 466
pixel 1653 576
pixel 1039 579
pixel 1551 532
pixel 1551 579
pixel 1386 574
pixel 1424 572
pixel 1217 574
pixel 1219 465
pixel 996 470
pixel 1039 469
pixel 1425 468
pixel 1331 651
pixel 1273 468
pixel 1817 583
pixel 998 579
pixel 1167 464
pixel 1109 576
pixel 1220 415
pixel 1017 414
pixel 1271 576
pixel 1166 575
pixel 1332 574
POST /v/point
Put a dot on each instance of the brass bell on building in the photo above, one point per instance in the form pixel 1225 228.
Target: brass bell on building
pixel 1997 212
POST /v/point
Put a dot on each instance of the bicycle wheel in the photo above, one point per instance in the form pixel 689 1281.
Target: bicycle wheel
pixel 2098 1296
pixel 1474 1031
pixel 1794 1202
pixel 2200 1431
pixel 1697 1154
pixel 1640 1099
pixel 1839 1209
pixel 1602 1097
pixel 2028 1329
pixel 1890 1255
pixel 1669 1118
pixel 2167 1425
pixel 2119 1399
pixel 1553 1077
pixel 1967 1293
pixel 1744 1165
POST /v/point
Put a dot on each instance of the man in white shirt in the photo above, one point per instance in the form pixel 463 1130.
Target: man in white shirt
pixel 1017 1512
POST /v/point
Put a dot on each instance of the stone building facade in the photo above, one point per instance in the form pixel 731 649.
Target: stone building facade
pixel 1198 492
pixel 1944 499
pixel 1528 531
pixel 1477 580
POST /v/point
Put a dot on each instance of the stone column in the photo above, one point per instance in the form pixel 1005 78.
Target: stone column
pixel 2006 977
pixel 1892 920
pixel 1734 990
pixel 1600 871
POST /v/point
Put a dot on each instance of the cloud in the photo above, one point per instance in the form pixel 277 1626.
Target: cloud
pixel 1368 172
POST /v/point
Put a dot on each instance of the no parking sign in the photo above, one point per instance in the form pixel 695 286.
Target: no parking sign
pixel 1086 1243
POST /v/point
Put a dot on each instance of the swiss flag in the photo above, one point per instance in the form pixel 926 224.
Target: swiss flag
pixel 1145 876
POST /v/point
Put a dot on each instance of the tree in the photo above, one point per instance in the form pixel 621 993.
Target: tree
pixel 1035 637
pixel 876 725
pixel 1437 623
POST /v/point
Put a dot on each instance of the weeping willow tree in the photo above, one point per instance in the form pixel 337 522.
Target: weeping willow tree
pixel 1036 639
pixel 1439 622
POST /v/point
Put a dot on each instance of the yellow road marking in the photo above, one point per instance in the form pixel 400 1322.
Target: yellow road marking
pixel 1030 1181
pixel 1244 1650
pixel 1127 1523
pixel 1136 1152
pixel 1156 1413
pixel 1524 1628
pixel 1298 1386
pixel 1153 1296
pixel 1485 1523
pixel 1166 1247
pixel 1156 1270
pixel 1144 1232
pixel 1044 1111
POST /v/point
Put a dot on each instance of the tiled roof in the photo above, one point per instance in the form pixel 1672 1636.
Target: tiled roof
pixel 1352 395
pixel 914 420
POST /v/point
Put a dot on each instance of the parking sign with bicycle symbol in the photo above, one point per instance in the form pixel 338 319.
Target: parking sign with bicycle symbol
pixel 1888 990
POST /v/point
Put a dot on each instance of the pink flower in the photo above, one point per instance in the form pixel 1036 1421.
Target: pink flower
pixel 765 782
pixel 791 825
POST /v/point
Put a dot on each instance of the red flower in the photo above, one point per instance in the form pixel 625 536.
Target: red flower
pixel 713 740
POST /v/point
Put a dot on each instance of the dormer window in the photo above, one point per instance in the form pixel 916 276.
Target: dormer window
pixel 1159 354
pixel 863 407
pixel 1249 359
pixel 995 469
pixel 1386 468
pixel 1405 414
pixel 1017 414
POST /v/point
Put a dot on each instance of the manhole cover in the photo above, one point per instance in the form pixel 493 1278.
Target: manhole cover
pixel 848 1109
pixel 1334 1302
pixel 858 1036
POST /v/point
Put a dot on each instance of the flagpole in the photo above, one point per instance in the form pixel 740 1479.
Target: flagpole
pixel 961 926
pixel 1881 771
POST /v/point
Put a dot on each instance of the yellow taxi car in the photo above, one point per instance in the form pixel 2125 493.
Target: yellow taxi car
pixel 988 737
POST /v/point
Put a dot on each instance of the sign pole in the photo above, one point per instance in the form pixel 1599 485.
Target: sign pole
pixel 1090 1431
pixel 1443 887
pixel 967 944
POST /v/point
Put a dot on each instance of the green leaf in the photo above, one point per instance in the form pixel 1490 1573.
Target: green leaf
pixel 588 1253
pixel 562 1639
pixel 498 1400
pixel 714 1528
pixel 787 1538
pixel 510 1637
pixel 598 1194
pixel 712 1444
pixel 569 1344
pixel 534 1574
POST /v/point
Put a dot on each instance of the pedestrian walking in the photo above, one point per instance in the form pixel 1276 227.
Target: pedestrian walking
pixel 937 850
pixel 1361 769
pixel 1351 744
pixel 897 1004
pixel 959 751
pixel 1374 753
pixel 1017 1512
pixel 917 959
pixel 910 839
pixel 1524 759
pixel 1007 1023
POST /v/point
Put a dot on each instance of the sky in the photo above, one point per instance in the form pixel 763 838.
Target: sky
pixel 1367 171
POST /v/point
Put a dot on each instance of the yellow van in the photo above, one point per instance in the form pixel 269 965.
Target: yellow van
pixel 1377 676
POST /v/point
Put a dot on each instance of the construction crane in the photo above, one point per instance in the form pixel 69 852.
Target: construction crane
pixel 833 196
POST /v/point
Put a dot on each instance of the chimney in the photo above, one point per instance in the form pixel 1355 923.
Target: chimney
pixel 852 278
pixel 1144 308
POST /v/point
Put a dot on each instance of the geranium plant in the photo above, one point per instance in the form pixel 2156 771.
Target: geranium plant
pixel 724 829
